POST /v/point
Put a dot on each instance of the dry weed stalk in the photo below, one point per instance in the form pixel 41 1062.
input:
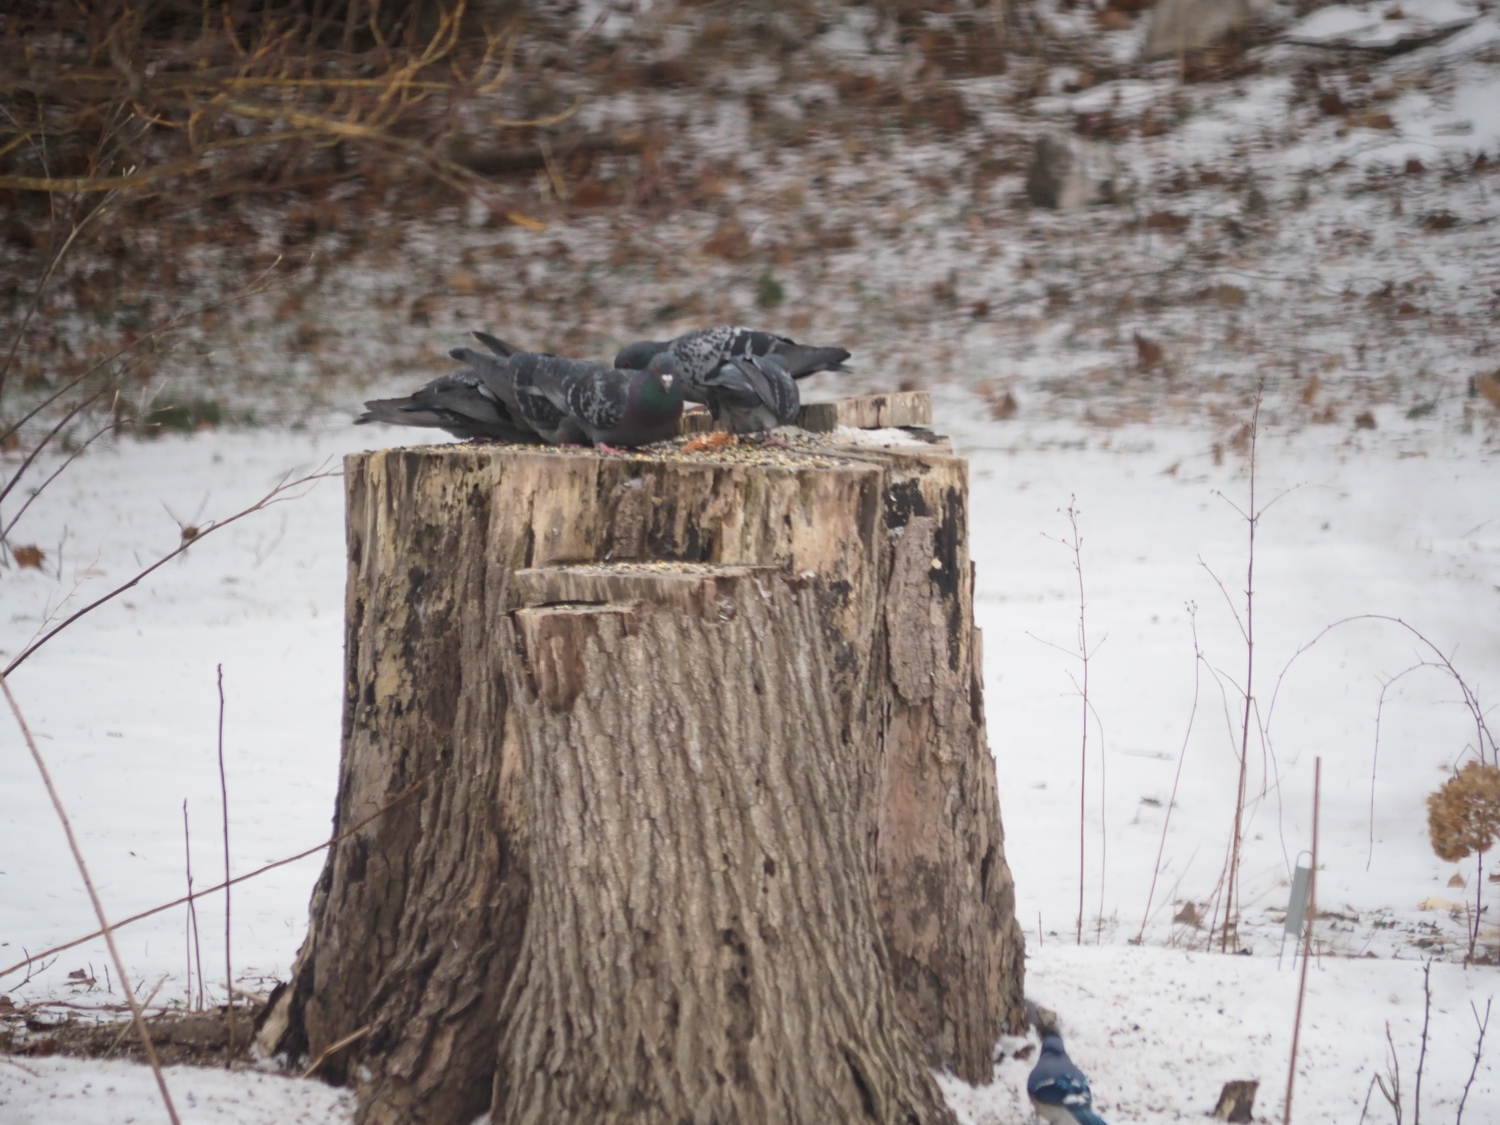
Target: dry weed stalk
pixel 137 1015
pixel 31 959
pixel 1247 630
pixel 1484 1025
pixel 1307 930
pixel 194 944
pixel 228 967
pixel 1192 610
pixel 1416 1112
pixel 1083 654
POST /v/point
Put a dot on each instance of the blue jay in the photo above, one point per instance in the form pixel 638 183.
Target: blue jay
pixel 1059 1091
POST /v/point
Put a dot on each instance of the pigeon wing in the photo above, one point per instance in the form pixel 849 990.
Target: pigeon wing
pixel 594 395
pixel 786 400
pixel 533 375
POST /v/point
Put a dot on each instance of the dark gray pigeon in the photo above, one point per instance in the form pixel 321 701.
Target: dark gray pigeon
pixel 701 352
pixel 614 407
pixel 459 403
pixel 502 376
pixel 751 394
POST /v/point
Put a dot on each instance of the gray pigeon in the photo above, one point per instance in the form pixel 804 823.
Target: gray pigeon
pixel 614 407
pixel 750 394
pixel 460 403
pixel 501 377
pixel 701 352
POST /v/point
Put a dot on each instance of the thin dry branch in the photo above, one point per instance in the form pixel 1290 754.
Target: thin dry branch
pixel 1484 1025
pixel 228 969
pixel 1177 777
pixel 104 927
pixel 31 959
pixel 283 491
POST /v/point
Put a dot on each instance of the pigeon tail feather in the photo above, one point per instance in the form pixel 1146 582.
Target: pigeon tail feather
pixel 500 347
pixel 802 360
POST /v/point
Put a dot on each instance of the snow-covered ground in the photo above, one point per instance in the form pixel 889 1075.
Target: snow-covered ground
pixel 1399 521
pixel 1348 258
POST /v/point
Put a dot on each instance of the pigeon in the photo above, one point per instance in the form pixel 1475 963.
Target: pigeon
pixel 1059 1091
pixel 750 394
pixel 700 353
pixel 459 403
pixel 501 376
pixel 613 407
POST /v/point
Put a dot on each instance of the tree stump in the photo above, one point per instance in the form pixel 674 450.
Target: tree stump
pixel 705 825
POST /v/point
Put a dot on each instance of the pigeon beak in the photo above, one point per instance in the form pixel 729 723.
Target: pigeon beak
pixel 666 381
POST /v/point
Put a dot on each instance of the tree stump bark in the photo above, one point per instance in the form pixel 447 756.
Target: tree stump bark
pixel 701 941
pixel 439 932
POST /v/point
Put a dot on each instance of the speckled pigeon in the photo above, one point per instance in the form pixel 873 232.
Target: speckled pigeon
pixel 749 394
pixel 701 352
pixel 459 403
pixel 502 376
pixel 1059 1092
pixel 613 407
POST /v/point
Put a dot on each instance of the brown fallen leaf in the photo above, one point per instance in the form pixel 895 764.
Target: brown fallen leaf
pixel 728 241
pixel 1168 221
pixel 30 555
pixel 1148 353
pixel 1489 387
pixel 1003 406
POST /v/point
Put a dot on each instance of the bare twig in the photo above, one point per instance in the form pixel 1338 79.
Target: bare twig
pixel 224 796
pixel 1478 1052
pixel 1177 777
pixel 1365 1109
pixel 1483 736
pixel 1416 1109
pixel 135 1008
pixel 115 1045
pixel 1312 912
pixel 31 959
pixel 282 491
pixel 1252 518
pixel 1075 544
pixel 334 1048
pixel 1375 757
pixel 1392 1094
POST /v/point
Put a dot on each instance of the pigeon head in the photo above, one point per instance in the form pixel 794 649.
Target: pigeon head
pixel 1053 1045
pixel 660 384
pixel 634 357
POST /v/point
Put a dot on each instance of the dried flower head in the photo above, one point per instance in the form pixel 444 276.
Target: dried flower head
pixel 1464 815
